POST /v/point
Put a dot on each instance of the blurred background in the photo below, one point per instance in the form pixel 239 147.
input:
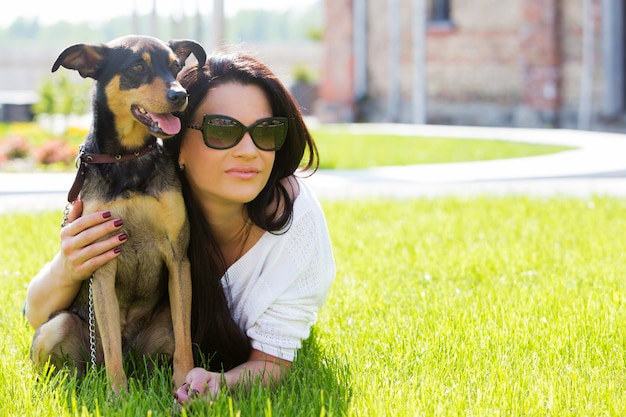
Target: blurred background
pixel 518 63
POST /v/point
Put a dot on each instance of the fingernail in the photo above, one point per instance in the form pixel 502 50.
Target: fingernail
pixel 106 214
pixel 122 237
pixel 118 222
pixel 117 250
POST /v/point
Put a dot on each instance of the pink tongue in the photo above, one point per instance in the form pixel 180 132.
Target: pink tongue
pixel 167 122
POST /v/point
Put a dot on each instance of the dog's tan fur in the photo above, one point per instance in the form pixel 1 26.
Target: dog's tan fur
pixel 130 293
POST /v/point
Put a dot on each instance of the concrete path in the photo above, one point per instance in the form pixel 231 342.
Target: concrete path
pixel 596 166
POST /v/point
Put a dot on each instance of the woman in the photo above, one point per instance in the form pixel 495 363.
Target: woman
pixel 260 252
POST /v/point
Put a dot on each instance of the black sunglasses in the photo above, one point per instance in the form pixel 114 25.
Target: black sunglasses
pixel 224 132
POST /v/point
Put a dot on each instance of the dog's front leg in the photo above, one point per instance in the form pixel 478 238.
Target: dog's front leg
pixel 107 311
pixel 179 287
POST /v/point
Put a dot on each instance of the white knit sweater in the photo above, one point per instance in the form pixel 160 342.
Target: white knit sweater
pixel 277 287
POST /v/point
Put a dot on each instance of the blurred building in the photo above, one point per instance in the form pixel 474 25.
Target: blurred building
pixel 531 63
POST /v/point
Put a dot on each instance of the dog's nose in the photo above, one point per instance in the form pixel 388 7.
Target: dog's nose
pixel 177 95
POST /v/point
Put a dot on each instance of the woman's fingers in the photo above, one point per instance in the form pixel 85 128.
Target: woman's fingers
pixel 75 211
pixel 89 229
pixel 86 260
pixel 76 224
pixel 199 382
pixel 182 394
pixel 90 241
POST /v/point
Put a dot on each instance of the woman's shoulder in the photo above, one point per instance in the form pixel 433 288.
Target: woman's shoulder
pixel 304 199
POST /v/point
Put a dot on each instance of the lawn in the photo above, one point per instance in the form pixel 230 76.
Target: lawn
pixel 441 307
pixel 342 149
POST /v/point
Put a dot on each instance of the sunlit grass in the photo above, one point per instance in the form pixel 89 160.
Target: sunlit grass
pixel 342 149
pixel 448 306
pixel 508 306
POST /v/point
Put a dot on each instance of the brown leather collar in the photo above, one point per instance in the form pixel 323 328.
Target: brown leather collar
pixel 84 159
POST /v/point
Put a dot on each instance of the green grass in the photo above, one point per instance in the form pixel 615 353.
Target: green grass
pixel 342 149
pixel 448 306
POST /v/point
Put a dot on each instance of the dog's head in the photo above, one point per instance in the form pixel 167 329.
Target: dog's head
pixel 136 82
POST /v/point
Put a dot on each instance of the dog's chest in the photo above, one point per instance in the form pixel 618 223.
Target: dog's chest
pixel 141 271
pixel 157 233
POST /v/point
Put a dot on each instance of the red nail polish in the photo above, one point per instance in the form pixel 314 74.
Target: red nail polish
pixel 122 237
pixel 117 250
pixel 118 222
pixel 106 214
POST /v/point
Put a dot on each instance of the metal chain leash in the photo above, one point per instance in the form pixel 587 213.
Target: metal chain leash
pixel 92 325
pixel 66 212
pixel 92 315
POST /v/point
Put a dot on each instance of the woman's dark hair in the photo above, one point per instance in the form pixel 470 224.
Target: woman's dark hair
pixel 215 334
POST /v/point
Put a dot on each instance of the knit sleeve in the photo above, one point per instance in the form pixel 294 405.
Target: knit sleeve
pixel 279 305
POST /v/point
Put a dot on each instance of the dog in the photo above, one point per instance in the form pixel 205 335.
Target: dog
pixel 123 168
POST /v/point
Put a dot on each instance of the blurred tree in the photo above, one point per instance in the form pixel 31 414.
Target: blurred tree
pixel 58 95
pixel 24 29
pixel 274 26
pixel 248 25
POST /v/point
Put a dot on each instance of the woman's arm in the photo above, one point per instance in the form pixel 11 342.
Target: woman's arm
pixel 260 367
pixel 268 369
pixel 56 285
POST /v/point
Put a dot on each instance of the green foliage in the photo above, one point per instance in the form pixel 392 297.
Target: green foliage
pixel 30 32
pixel 24 29
pixel 303 75
pixel 316 34
pixel 246 26
pixel 60 95
pixel 441 307
pixel 270 25
pixel 47 99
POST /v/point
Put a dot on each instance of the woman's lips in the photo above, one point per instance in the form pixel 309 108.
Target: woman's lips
pixel 243 173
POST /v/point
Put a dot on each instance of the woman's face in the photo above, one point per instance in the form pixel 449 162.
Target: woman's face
pixel 235 175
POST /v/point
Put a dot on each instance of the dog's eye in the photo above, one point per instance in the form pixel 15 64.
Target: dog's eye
pixel 137 68
pixel 176 67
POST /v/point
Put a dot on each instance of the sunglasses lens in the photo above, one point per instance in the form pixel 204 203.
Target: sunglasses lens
pixel 221 133
pixel 269 134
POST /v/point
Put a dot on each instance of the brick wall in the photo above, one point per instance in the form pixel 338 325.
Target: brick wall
pixel 336 92
pixel 514 62
pixel 478 59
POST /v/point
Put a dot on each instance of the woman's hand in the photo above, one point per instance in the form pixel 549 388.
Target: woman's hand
pixel 260 367
pixel 199 382
pixel 82 253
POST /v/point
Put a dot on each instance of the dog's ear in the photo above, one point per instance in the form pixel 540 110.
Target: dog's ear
pixel 183 48
pixel 87 59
